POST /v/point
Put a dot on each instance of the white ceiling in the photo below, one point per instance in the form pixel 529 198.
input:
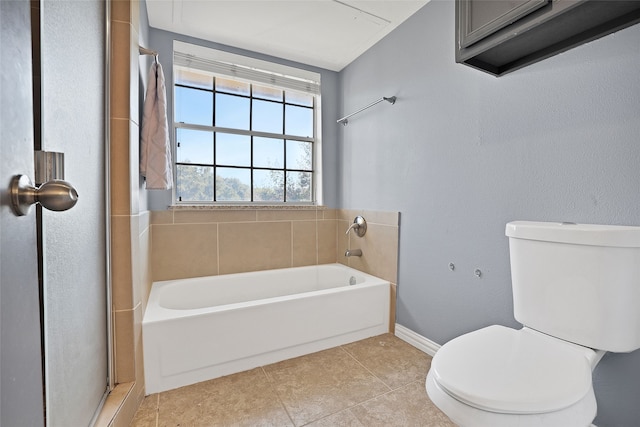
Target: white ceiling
pixel 325 33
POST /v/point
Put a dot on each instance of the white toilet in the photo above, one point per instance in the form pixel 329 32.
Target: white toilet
pixel 576 290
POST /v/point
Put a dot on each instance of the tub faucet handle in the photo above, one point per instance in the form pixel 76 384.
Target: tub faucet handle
pixel 359 226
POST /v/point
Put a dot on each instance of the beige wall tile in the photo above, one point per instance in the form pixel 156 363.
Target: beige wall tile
pixel 145 267
pixel 161 217
pixel 113 403
pixel 342 241
pixel 327 239
pixel 286 215
pixel 124 346
pixel 138 314
pixel 134 168
pixel 393 289
pixel 134 75
pixel 254 246
pixel 183 250
pixel 122 286
pixel 119 165
pixel 128 409
pixel 379 252
pixel 204 216
pixel 327 214
pixel 136 266
pixel 304 243
pixel 135 14
pixel 120 70
pixel 121 11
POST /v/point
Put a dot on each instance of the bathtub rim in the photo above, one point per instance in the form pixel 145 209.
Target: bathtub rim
pixel 155 313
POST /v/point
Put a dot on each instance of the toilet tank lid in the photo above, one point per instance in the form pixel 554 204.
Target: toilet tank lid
pixel 581 234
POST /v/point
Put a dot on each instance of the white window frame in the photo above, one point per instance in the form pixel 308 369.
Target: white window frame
pixel 260 72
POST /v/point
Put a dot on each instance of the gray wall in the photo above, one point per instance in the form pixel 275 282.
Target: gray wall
pixel 461 153
pixel 162 41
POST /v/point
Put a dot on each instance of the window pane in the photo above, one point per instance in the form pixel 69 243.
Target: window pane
pixel 233 150
pixel 187 77
pixel 265 92
pixel 233 185
pixel 299 121
pixel 232 111
pixel 194 106
pixel 194 146
pixel 268 152
pixel 268 186
pixel 298 186
pixel 299 98
pixel 266 116
pixel 299 155
pixel 194 183
pixel 232 86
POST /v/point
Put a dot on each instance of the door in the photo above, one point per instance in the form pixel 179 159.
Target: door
pixel 73 242
pixel 20 351
pixel 74 355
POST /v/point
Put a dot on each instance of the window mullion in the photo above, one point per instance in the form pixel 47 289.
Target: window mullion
pixel 215 161
pixel 251 171
pixel 284 148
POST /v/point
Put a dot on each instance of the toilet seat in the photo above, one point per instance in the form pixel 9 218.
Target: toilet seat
pixel 508 371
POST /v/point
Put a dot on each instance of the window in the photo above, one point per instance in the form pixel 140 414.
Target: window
pixel 243 134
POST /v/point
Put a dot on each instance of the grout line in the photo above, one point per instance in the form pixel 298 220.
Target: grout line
pixel 367 369
pixel 275 391
pixel 218 248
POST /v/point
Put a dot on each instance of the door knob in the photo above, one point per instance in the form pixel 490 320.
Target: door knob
pixel 55 195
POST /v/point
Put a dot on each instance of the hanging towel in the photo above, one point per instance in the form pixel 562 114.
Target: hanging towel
pixel 155 147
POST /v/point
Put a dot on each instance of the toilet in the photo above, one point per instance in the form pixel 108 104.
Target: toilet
pixel 576 289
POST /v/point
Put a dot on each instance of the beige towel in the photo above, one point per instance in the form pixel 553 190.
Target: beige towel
pixel 155 146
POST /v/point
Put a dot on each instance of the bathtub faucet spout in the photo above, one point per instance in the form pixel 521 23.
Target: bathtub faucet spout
pixel 353 252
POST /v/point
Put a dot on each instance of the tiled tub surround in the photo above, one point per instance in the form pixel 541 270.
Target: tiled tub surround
pixel 203 328
pixel 196 242
pixel 378 381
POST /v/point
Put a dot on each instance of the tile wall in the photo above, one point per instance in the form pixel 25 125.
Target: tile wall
pixel 130 230
pixel 204 242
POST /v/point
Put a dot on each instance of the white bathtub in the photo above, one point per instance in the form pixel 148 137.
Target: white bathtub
pixel 203 328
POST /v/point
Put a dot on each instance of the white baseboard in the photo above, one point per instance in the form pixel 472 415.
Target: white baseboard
pixel 417 340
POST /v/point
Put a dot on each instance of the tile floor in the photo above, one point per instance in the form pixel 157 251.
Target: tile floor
pixel 378 381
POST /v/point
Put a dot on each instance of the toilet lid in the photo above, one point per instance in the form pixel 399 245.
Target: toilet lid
pixel 510 371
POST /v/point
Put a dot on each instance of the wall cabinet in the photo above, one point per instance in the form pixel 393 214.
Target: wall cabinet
pixel 502 36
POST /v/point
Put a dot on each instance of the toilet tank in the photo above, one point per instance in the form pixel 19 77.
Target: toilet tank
pixel 578 282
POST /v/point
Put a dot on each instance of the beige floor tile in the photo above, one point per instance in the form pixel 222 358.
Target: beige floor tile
pixel 369 383
pixel 244 399
pixel 392 360
pixel 408 406
pixel 322 383
pixel 147 414
pixel 340 419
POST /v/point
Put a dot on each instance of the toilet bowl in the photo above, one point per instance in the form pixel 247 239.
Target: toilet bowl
pixel 502 377
pixel 574 290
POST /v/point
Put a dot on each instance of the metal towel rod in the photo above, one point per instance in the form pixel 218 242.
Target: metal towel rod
pixel 145 51
pixel 344 121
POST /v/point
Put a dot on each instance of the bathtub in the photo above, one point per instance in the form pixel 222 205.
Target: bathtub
pixel 207 327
